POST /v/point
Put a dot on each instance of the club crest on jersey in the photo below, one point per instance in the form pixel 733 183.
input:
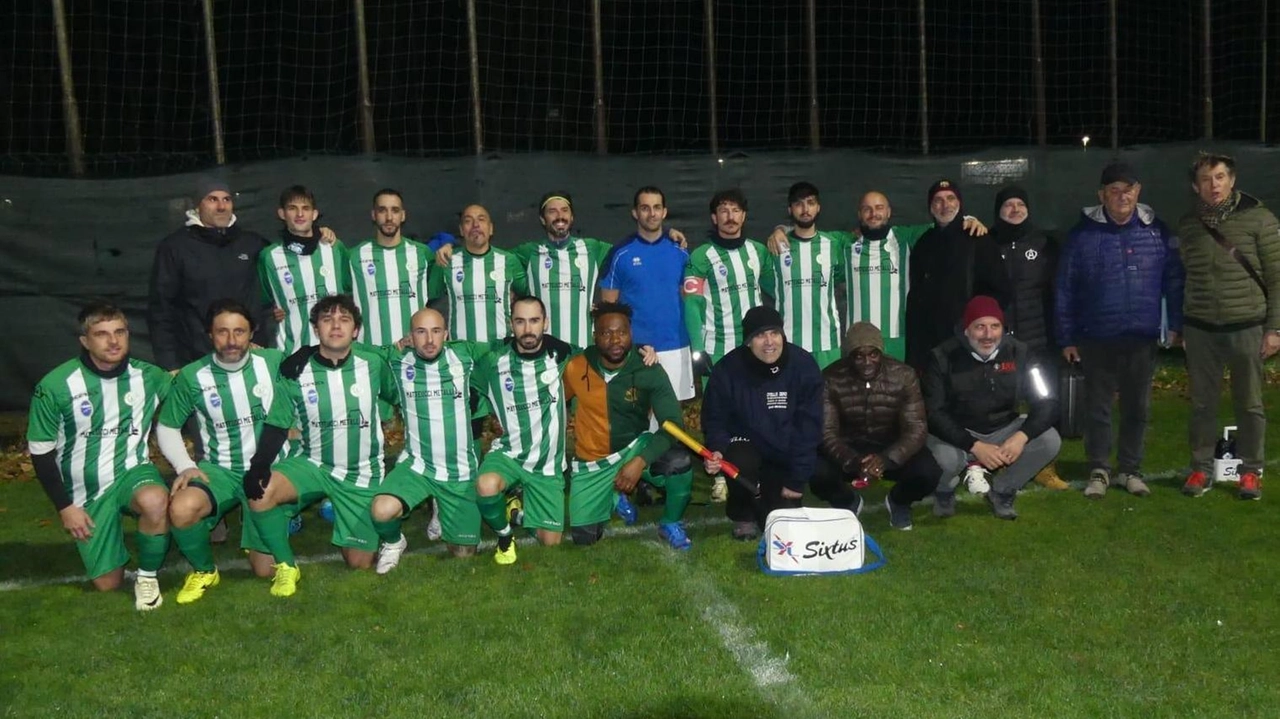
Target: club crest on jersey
pixel 325 271
pixel 494 275
pixel 549 376
pixel 287 277
pixel 636 261
pixel 857 247
pixel 86 408
pixel 459 276
pixel 508 384
pixel 130 398
pixel 409 374
pixel 214 400
pixel 1032 254
pixel 546 262
pixel 580 263
pixel 370 269
pixel 313 397
pixel 786 259
pixel 356 390
pixel 631 395
pixel 260 391
pixel 723 271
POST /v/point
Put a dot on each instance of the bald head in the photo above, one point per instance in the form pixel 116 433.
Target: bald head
pixel 874 210
pixel 429 332
pixel 476 228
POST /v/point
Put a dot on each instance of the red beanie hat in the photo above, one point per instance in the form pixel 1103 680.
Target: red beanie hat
pixel 982 306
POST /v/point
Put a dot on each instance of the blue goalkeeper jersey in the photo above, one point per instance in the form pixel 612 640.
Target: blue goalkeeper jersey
pixel 648 276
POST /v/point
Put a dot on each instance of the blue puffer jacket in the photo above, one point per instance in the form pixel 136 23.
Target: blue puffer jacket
pixel 1111 278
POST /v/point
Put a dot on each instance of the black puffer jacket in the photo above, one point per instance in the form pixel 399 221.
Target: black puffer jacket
pixel 884 414
pixel 1031 260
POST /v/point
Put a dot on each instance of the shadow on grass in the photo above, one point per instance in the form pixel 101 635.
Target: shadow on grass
pixel 702 707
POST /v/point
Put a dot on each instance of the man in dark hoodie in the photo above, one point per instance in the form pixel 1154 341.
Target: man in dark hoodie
pixel 763 412
pixel 1031 260
pixel 948 267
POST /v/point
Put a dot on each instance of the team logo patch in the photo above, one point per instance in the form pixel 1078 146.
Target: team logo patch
pixel 260 391
pixel 458 276
pixel 786 259
pixel 549 376
pixel 371 269
pixel 1032 254
pixel 494 275
pixel 636 262
pixel 215 401
pixel 409 374
pixel 325 271
pixel 723 271
pixel 546 262
pixel 820 260
pixel 287 277
pixel 580 263
pixel 86 408
pixel 631 395
pixel 857 247
pixel 313 397
pixel 130 398
pixel 1006 367
pixel 356 390
pixel 508 384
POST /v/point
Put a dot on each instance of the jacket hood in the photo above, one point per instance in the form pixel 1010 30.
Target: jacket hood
pixel 193 219
pixel 1097 213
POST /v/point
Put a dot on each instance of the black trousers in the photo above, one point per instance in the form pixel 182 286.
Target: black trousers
pixel 740 505
pixel 912 482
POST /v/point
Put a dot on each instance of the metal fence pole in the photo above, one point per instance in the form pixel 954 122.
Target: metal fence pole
pixel 811 15
pixel 215 95
pixel 473 51
pixel 70 110
pixel 708 7
pixel 1037 51
pixel 1115 78
pixel 924 84
pixel 1208 70
pixel 1262 111
pixel 367 145
pixel 597 49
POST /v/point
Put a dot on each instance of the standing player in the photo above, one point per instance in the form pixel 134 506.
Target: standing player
pixel 389 274
pixel 229 392
pixel 333 390
pixel 434 378
pixel 522 381
pixel 615 393
pixel 480 281
pixel 87 432
pixel 300 270
pixel 806 275
pixel 646 271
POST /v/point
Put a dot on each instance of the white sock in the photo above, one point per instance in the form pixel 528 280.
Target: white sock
pixel 148 573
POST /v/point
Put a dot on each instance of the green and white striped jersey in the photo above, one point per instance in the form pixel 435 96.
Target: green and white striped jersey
pixel 720 285
pixel 97 425
pixel 878 272
pixel 435 402
pixel 807 274
pixel 337 408
pixel 527 396
pixel 564 277
pixel 295 283
pixel 389 284
pixel 230 405
pixel 480 289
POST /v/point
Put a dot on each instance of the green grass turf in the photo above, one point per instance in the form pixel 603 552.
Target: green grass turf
pixel 1156 607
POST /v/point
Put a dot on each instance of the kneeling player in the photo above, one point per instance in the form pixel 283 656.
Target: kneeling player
pixel 88 429
pixel 439 459
pixel 230 392
pixel 616 393
pixel 332 389
pixel 522 383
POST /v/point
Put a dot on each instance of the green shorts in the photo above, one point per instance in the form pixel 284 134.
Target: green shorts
pixel 456 502
pixel 543 495
pixel 104 552
pixel 352 523
pixel 227 490
pixel 591 494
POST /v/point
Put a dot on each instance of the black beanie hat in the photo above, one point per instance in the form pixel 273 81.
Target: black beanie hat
pixel 1008 193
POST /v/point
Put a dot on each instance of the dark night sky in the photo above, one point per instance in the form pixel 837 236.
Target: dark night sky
pixel 289 77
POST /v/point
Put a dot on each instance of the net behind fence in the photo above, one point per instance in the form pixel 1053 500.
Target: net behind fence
pixel 289 77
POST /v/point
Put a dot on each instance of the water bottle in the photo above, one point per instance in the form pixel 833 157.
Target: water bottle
pixel 1225 461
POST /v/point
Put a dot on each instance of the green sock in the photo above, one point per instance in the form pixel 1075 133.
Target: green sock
pixel 151 550
pixel 273 528
pixel 493 510
pixel 193 542
pixel 388 532
pixel 679 492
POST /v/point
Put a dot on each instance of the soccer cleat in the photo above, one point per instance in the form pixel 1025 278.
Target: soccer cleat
pixel 1133 484
pixel 899 514
pixel 505 556
pixel 146 594
pixel 389 555
pixel 626 510
pixel 1049 479
pixel 326 510
pixel 1197 483
pixel 295 524
pixel 719 491
pixel 944 504
pixel 1250 486
pixel 673 534
pixel 1097 486
pixel 975 479
pixel 433 527
pixel 515 510
pixel 196 584
pixel 285 583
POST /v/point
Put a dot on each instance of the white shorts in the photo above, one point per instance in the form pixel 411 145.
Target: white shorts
pixel 679 366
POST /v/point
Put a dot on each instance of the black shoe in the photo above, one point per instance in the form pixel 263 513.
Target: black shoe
pixel 899 514
pixel 588 534
pixel 745 531
pixel 1002 505
pixel 944 504
pixel 643 496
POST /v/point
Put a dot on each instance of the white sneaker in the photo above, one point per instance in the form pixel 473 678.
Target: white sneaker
pixel 433 527
pixel 146 594
pixel 389 555
pixel 975 479
pixel 719 491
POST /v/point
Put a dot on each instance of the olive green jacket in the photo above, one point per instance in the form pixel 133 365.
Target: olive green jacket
pixel 1220 294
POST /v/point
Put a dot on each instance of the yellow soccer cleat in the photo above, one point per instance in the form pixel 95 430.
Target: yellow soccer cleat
pixel 515 510
pixel 285 583
pixel 196 584
pixel 506 556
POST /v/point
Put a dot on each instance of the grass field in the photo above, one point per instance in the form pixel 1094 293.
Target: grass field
pixel 1126 607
